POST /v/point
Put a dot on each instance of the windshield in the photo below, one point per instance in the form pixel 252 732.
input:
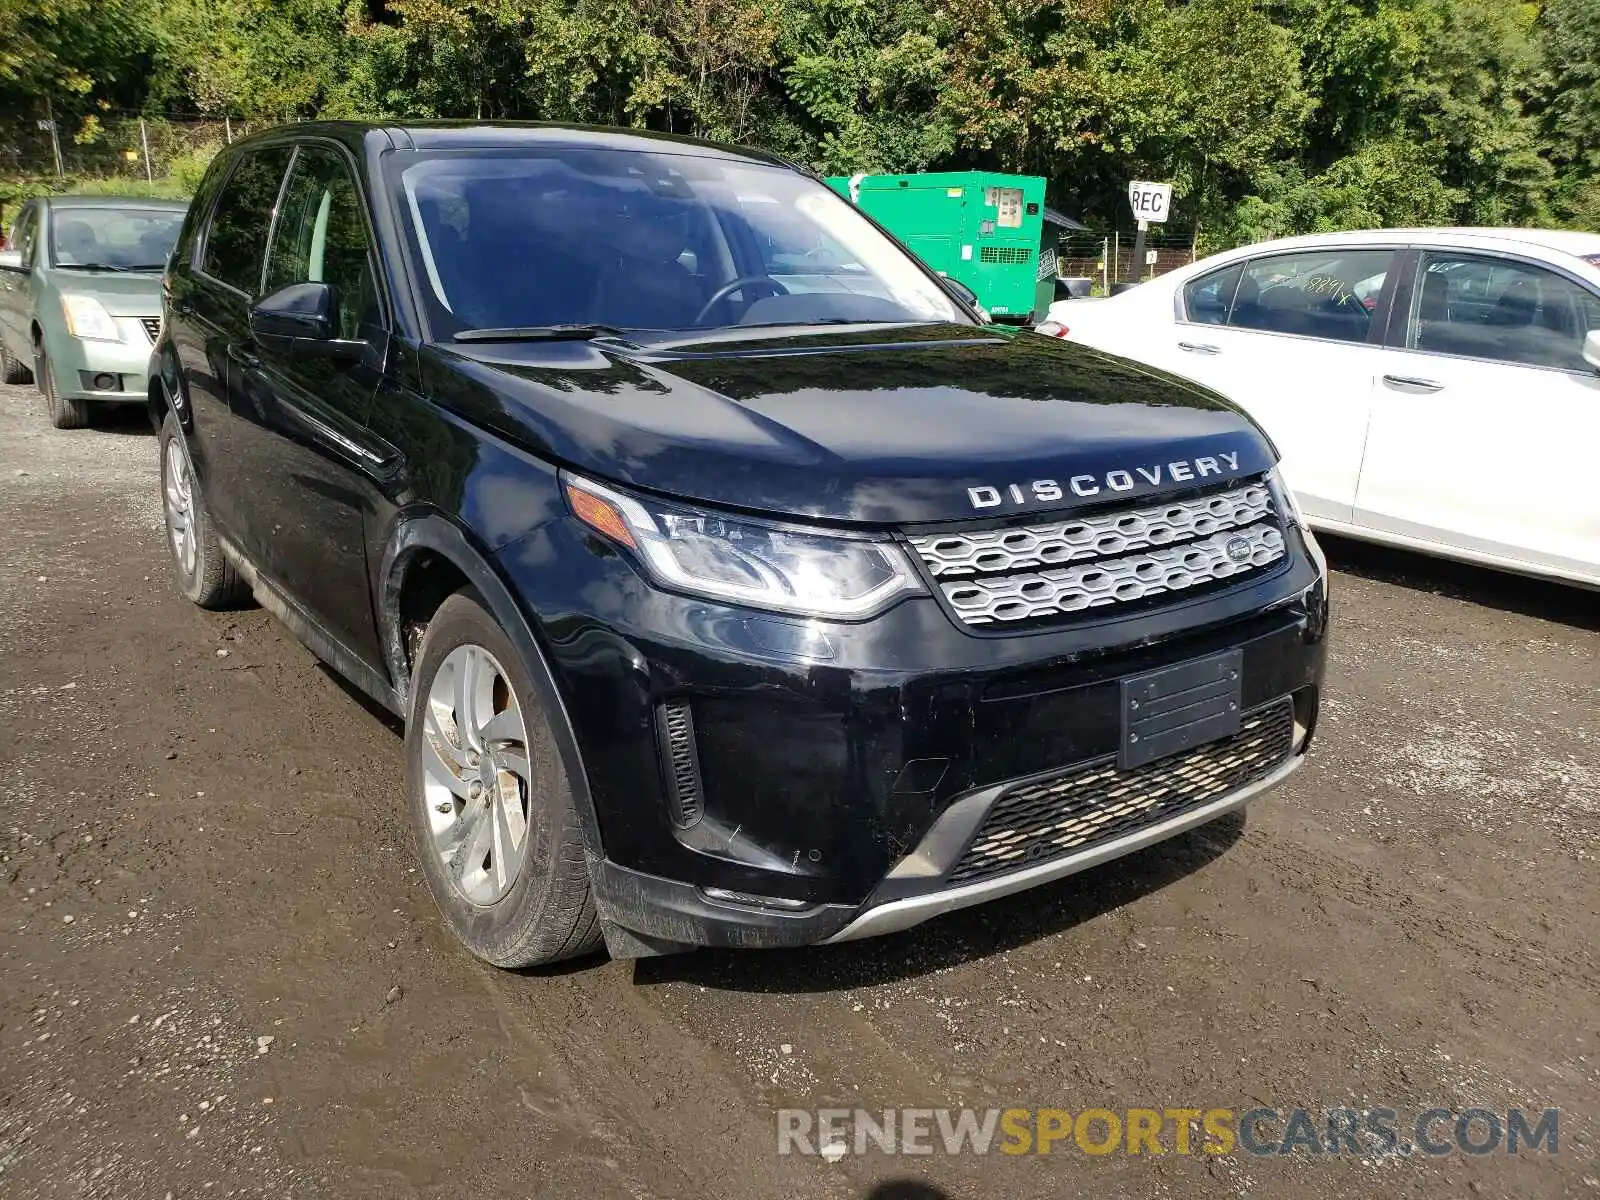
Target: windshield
pixel 129 238
pixel 635 240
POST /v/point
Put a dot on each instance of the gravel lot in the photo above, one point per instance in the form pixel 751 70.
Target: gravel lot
pixel 220 974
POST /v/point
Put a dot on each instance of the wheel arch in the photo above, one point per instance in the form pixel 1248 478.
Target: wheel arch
pixel 165 391
pixel 426 558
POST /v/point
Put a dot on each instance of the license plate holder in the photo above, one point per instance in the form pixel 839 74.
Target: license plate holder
pixel 1177 708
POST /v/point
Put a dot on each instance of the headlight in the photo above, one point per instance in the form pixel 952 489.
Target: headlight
pixel 748 562
pixel 88 318
pixel 1284 498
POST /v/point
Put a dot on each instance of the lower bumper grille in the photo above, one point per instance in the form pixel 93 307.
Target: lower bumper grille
pixel 1094 802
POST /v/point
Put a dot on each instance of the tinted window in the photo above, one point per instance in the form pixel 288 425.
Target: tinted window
pixel 237 238
pixel 647 240
pixel 322 238
pixel 1504 310
pixel 1207 300
pixel 136 239
pixel 1327 294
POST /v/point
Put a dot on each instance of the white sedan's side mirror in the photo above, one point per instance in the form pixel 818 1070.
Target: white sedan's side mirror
pixel 1591 349
pixel 11 260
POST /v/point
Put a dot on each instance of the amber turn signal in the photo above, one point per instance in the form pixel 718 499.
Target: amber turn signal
pixel 600 515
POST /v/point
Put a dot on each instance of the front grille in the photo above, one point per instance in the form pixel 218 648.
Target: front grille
pixel 1030 572
pixel 1004 254
pixel 1095 802
pixel 152 327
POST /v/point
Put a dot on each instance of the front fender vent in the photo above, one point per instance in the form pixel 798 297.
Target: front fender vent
pixel 680 758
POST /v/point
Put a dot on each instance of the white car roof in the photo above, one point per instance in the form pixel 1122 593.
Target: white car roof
pixel 1568 241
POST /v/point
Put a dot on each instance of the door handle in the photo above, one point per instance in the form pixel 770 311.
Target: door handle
pixel 245 358
pixel 1415 384
pixel 1199 348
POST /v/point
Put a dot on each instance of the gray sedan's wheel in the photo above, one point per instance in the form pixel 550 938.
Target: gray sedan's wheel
pixel 492 812
pixel 11 370
pixel 204 573
pixel 63 413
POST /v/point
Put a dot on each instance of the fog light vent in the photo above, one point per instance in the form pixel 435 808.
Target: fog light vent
pixel 675 726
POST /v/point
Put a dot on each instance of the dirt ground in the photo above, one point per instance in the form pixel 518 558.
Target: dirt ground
pixel 201 848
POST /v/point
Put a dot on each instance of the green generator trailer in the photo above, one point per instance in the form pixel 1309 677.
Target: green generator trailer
pixel 981 228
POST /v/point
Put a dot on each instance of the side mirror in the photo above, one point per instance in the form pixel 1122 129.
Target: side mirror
pixel 299 319
pixel 962 290
pixel 11 260
pixel 1591 349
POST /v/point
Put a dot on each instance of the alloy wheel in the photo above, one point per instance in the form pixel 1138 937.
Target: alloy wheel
pixel 179 497
pixel 478 780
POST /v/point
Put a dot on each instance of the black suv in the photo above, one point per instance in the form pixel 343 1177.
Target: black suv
pixel 736 584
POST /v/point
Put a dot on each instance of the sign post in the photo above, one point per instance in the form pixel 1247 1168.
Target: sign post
pixel 1150 203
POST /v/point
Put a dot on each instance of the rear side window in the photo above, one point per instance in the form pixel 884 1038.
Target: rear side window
pixel 24 233
pixel 236 241
pixel 1208 300
pixel 1326 294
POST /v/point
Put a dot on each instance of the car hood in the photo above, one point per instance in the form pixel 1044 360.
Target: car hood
pixel 124 295
pixel 879 426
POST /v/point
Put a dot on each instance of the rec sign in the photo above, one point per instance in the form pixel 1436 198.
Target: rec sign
pixel 1150 201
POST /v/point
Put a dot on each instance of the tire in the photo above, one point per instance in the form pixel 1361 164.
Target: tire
pixel 203 572
pixel 63 413
pixel 481 760
pixel 11 370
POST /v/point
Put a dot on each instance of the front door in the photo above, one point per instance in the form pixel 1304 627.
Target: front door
pixel 306 459
pixel 1292 338
pixel 208 308
pixel 1486 418
pixel 15 304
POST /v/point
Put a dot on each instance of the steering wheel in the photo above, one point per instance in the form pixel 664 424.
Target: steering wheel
pixel 737 285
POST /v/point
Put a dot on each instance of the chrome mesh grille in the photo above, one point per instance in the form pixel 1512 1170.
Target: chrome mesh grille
pixel 1095 802
pixel 1088 562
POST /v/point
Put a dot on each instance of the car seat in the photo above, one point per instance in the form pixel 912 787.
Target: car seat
pixel 76 242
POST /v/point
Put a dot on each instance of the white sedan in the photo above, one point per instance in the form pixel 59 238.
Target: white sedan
pixel 1437 389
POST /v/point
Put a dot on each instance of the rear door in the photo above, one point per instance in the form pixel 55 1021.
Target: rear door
pixel 209 307
pixel 1486 418
pixel 1294 339
pixel 305 457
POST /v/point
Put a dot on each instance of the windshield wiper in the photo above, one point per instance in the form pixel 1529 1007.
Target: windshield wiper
pixel 93 266
pixel 539 333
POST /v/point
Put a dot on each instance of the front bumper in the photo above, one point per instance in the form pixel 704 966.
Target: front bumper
pixel 105 372
pixel 842 772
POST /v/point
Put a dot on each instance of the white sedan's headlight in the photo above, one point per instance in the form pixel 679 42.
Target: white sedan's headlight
pixel 749 562
pixel 88 318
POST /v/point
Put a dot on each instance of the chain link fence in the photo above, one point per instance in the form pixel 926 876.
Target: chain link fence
pixel 1107 256
pixel 99 151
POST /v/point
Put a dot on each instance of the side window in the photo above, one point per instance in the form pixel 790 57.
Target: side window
pixel 1326 294
pixel 1208 299
pixel 1500 309
pixel 25 233
pixel 237 238
pixel 322 238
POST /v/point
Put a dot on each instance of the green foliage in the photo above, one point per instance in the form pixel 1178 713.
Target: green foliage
pixel 1269 116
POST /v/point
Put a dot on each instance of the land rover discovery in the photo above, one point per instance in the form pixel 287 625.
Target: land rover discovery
pixel 736 585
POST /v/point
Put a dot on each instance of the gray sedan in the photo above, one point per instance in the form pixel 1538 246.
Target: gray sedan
pixel 80 298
